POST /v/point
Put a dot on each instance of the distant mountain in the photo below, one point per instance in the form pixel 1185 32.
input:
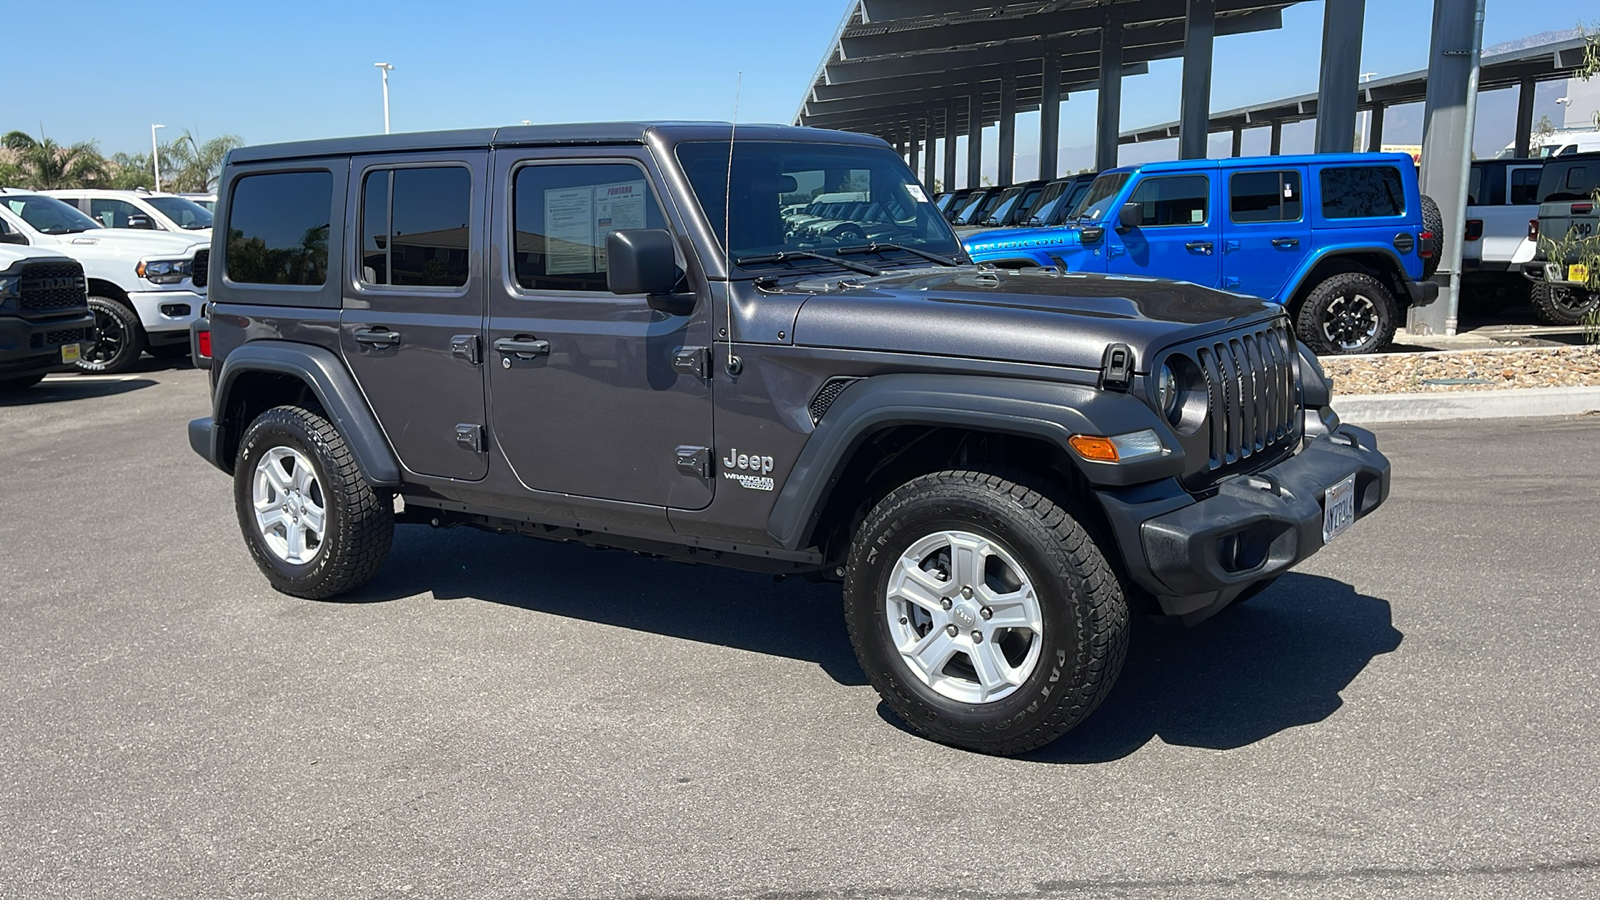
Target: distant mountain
pixel 1534 40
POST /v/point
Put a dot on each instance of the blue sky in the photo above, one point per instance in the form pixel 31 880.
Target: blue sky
pixel 292 69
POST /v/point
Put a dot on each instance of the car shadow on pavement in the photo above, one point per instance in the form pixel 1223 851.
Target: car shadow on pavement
pixel 748 611
pixel 1274 663
pixel 61 390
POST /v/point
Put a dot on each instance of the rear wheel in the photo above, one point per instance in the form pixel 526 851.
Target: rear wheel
pixel 984 614
pixel 314 526
pixel 1351 312
pixel 1563 305
pixel 119 338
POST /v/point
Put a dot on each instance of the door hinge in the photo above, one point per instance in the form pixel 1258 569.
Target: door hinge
pixel 695 461
pixel 466 346
pixel 694 361
pixel 470 437
pixel 1116 368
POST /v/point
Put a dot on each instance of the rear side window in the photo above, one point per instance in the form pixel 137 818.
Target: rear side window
pixel 562 214
pixel 278 228
pixel 1173 200
pixel 1524 186
pixel 414 226
pixel 1264 197
pixel 1361 192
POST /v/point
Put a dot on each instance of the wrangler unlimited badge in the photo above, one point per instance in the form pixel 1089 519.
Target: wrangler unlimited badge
pixel 760 465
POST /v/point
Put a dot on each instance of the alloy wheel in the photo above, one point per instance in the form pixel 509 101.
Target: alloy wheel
pixel 289 505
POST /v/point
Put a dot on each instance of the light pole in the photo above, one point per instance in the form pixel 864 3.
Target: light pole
pixel 386 69
pixel 155 154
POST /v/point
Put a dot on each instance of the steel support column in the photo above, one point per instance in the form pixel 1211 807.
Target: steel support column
pixel 974 140
pixel 1238 142
pixel 950 134
pixel 1375 128
pixel 930 138
pixel 1008 129
pixel 1199 35
pixel 1340 86
pixel 1277 139
pixel 1108 119
pixel 1525 118
pixel 1050 115
pixel 1452 107
pixel 916 148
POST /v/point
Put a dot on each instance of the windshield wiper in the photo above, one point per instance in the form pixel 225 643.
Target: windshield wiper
pixel 791 255
pixel 876 247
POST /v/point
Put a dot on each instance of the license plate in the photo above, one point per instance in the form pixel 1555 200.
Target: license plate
pixel 1578 273
pixel 71 353
pixel 1338 509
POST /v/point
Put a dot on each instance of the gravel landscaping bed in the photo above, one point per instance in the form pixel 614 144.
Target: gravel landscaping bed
pixel 1464 370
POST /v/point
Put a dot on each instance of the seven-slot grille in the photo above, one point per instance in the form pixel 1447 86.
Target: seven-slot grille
pixel 198 274
pixel 46 287
pixel 1253 401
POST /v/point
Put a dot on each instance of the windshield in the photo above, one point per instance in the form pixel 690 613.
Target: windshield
pixel 187 214
pixel 48 215
pixel 1053 192
pixel 1097 202
pixel 1004 209
pixel 794 196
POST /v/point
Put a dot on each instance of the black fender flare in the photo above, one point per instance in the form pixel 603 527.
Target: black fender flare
pixel 325 374
pixel 1051 411
pixel 1301 278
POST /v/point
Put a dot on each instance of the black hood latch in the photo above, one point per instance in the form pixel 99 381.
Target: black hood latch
pixel 1116 368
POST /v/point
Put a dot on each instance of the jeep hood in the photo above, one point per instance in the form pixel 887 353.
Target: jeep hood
pixel 1028 316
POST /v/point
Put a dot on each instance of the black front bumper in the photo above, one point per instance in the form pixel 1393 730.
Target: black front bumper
pixel 1197 556
pixel 28 346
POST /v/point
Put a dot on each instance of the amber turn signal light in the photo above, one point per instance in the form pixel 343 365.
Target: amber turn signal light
pixel 1098 449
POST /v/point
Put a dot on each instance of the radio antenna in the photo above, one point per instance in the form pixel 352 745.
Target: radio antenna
pixel 734 365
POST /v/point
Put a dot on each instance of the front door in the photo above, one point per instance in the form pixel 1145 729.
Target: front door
pixel 412 323
pixel 1266 236
pixel 591 393
pixel 1176 236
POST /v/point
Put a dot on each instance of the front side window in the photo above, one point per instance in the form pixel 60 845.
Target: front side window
pixel 278 227
pixel 1173 200
pixel 1362 192
pixel 847 197
pixel 185 213
pixel 415 227
pixel 47 215
pixel 1094 204
pixel 1264 197
pixel 561 215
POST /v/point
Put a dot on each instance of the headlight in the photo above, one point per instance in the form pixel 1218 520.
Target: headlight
pixel 1167 396
pixel 164 271
pixel 8 288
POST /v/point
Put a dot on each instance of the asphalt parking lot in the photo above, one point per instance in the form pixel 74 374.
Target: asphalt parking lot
pixel 1413 713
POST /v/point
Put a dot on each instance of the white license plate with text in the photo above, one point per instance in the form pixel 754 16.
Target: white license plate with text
pixel 1338 509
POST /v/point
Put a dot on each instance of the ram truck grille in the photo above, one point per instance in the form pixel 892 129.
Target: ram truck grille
pixel 50 287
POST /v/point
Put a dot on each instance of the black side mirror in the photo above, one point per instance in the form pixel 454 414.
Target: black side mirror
pixel 12 237
pixel 140 222
pixel 644 261
pixel 1129 216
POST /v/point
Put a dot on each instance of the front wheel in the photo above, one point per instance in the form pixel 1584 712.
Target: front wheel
pixel 314 526
pixel 1351 312
pixel 1563 305
pixel 119 338
pixel 983 613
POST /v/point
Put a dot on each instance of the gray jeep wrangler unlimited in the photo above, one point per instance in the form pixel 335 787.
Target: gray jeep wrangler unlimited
pixel 581 333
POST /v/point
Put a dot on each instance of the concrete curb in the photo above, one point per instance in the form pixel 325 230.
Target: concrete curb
pixel 1509 403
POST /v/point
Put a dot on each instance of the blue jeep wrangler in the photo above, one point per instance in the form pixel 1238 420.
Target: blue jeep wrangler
pixel 1343 240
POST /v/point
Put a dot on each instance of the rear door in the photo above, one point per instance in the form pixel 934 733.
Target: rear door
pixel 1265 235
pixel 1177 234
pixel 411 329
pixel 592 393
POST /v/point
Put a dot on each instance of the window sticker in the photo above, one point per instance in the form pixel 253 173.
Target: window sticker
pixel 916 192
pixel 577 220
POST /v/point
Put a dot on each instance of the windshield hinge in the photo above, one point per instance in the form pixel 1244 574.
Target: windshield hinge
pixel 692 361
pixel 1116 368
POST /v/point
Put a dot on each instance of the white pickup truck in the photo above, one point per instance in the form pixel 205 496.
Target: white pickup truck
pixel 145 287
pixel 1502 201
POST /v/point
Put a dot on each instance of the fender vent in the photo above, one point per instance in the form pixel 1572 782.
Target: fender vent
pixel 829 392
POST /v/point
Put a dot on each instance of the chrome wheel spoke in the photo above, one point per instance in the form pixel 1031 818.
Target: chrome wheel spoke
pixel 994 672
pixel 968 556
pixel 916 585
pixel 1018 609
pixel 932 653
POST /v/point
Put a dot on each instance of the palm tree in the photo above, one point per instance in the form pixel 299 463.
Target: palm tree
pixel 47 165
pixel 195 167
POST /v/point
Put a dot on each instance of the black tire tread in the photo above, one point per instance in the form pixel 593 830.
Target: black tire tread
pixel 1309 329
pixel 1102 634
pixel 132 347
pixel 363 517
pixel 1543 299
pixel 1433 223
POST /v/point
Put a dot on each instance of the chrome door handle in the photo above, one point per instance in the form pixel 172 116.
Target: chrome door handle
pixel 522 348
pixel 377 337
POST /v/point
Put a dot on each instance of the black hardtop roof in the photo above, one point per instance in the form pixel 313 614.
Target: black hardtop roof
pixel 543 135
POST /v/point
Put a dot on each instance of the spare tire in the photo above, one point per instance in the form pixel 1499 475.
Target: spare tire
pixel 1431 245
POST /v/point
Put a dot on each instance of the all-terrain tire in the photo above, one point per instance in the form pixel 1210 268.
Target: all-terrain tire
pixel 1349 312
pixel 20 382
pixel 358 520
pixel 1562 305
pixel 1083 612
pixel 119 338
pixel 1432 248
